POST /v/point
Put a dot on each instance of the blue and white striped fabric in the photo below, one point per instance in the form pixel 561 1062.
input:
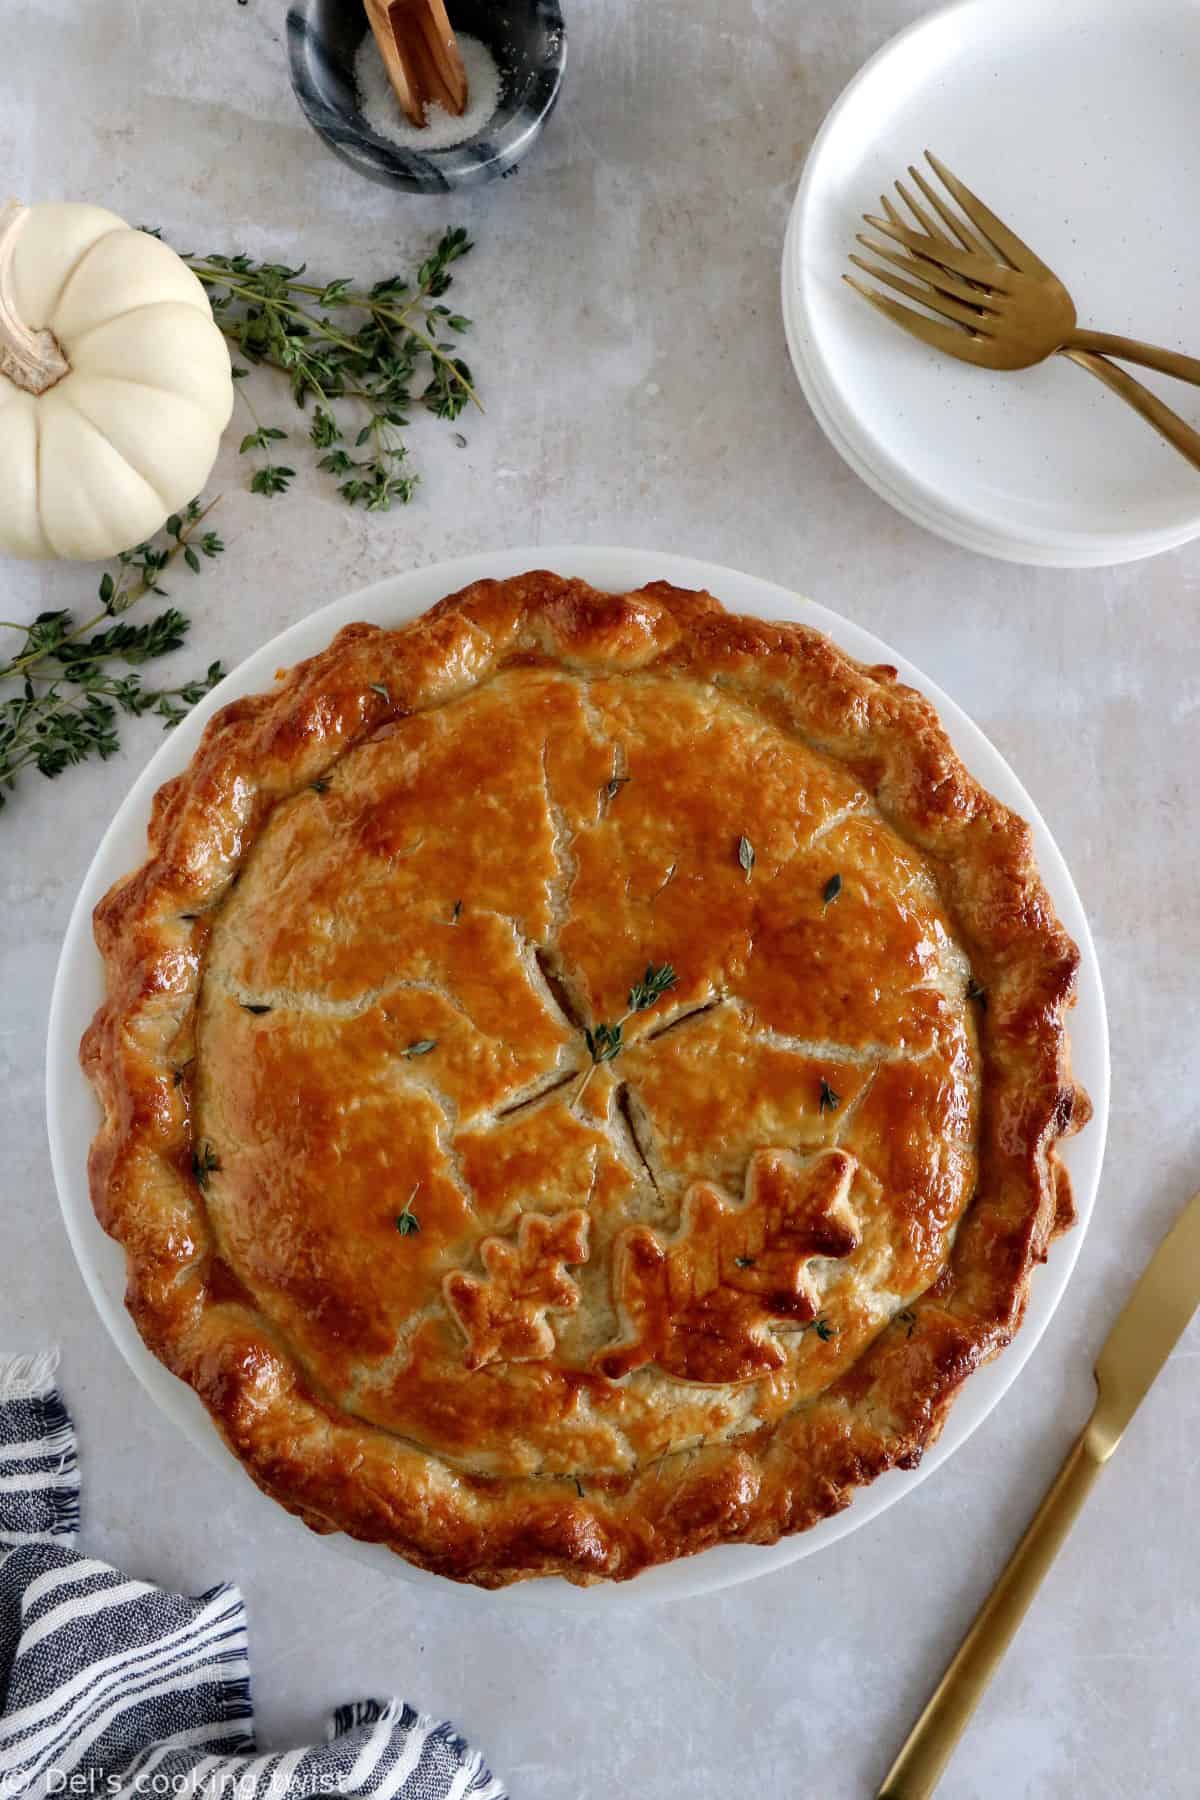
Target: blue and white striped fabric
pixel 111 1687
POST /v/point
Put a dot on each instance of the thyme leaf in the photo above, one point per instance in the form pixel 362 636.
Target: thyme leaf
pixel 421 1047
pixel 658 980
pixel 407 1221
pixel 831 890
pixel 205 1162
pixel 272 478
pixel 605 1042
pixel 829 1101
pixel 745 855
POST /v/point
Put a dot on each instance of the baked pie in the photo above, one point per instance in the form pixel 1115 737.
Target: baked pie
pixel 582 1076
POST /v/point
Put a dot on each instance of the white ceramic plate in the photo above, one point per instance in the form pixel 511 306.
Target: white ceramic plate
pixel 73 1115
pixel 1079 124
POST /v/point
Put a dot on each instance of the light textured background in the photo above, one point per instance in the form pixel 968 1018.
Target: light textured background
pixel 632 360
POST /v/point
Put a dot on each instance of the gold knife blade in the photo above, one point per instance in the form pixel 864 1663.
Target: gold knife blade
pixel 1154 1317
pixel 1134 1351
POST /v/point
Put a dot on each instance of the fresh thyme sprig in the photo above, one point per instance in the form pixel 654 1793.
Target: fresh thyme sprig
pixel 394 351
pixel 63 690
pixel 605 1042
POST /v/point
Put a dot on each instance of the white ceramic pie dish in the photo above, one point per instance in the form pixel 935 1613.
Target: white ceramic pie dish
pixel 73 1115
pixel 1078 123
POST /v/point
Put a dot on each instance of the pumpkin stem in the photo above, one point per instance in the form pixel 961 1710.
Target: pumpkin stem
pixel 32 359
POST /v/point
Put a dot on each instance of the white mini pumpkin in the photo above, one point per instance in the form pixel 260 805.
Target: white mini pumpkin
pixel 115 382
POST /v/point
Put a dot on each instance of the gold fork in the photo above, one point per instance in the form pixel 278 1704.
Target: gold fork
pixel 1004 309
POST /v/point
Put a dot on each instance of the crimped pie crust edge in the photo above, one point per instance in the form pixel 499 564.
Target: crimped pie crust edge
pixel 340 1474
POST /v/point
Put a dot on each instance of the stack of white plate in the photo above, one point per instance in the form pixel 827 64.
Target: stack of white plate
pixel 1079 124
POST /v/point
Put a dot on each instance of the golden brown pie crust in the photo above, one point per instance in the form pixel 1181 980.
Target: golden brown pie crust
pixel 704 1296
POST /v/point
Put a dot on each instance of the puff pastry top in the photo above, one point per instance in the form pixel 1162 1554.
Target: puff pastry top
pixel 444 1280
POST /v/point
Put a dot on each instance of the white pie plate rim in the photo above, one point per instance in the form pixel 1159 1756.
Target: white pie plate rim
pixel 72 1113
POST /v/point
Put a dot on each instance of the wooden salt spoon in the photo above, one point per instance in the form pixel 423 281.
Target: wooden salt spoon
pixel 421 55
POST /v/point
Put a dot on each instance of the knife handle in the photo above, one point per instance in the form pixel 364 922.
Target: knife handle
pixel 927 1749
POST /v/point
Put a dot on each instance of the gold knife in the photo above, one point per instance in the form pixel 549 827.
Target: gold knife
pixel 1138 1345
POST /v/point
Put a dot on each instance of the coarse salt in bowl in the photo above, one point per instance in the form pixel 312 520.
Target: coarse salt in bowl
pixel 442 130
pixel 515 59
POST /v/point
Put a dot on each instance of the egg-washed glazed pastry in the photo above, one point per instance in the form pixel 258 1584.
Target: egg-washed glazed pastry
pixel 582 1076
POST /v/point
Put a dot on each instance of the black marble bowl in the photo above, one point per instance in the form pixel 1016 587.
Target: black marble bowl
pixel 527 39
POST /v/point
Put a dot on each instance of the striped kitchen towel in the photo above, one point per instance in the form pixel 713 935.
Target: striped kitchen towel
pixel 112 1688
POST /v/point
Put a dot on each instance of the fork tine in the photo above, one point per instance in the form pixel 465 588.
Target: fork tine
pixel 984 219
pixel 927 224
pixel 944 213
pixel 895 218
pixel 983 269
pixel 924 296
pixel 926 270
pixel 930 331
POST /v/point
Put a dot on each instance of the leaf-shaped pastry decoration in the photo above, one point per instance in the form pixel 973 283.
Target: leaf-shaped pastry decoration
pixel 698 1304
pixel 503 1312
